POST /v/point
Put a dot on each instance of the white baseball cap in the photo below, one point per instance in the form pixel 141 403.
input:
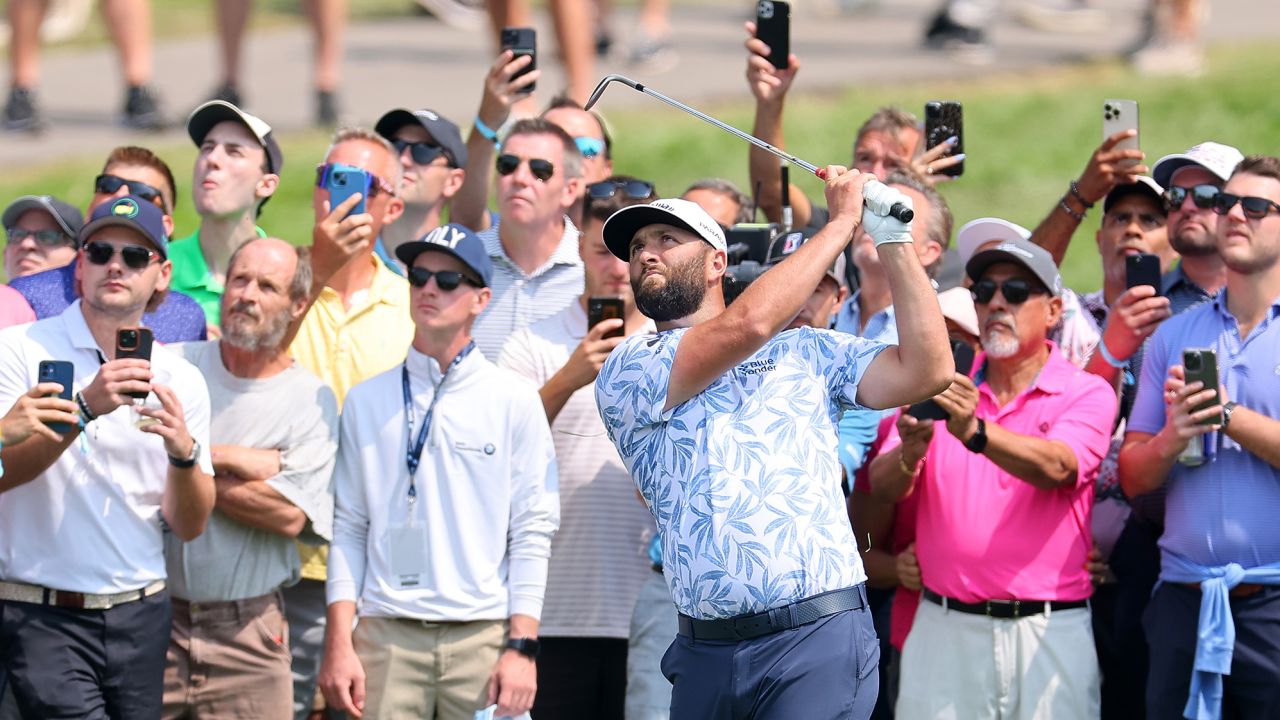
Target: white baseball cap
pixel 957 306
pixel 622 226
pixel 1219 159
pixel 977 233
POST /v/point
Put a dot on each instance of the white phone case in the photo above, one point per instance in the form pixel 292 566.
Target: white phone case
pixel 1118 115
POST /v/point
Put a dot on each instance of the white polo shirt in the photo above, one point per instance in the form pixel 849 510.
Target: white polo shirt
pixel 91 523
pixel 474 543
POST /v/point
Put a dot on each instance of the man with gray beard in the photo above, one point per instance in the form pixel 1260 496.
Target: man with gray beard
pixel 274 439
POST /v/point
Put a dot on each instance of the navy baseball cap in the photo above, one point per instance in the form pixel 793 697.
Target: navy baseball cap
pixel 131 212
pixel 441 129
pixel 67 216
pixel 452 239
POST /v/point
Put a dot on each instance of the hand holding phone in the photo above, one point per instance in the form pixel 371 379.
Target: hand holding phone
pixel 600 309
pixel 134 342
pixel 944 119
pixel 962 354
pixel 1143 269
pixel 773 28
pixel 1201 364
pixel 1118 116
pixel 63 373
pixel 522 41
pixel 343 181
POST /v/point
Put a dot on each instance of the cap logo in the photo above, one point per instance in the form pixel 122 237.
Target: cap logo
pixel 427 114
pixel 124 207
pixel 446 236
pixel 1014 249
pixel 792 242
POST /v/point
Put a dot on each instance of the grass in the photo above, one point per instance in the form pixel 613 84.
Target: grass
pixel 1025 137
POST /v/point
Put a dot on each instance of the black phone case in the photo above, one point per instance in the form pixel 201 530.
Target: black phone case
pixel 773 27
pixel 63 373
pixel 943 119
pixel 522 41
pixel 1142 269
pixel 1207 373
pixel 963 356
pixel 600 309
pixel 142 352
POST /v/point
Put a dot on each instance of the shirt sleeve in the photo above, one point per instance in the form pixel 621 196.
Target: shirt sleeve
pixel 631 389
pixel 535 509
pixel 1148 412
pixel 842 359
pixel 1085 423
pixel 306 465
pixel 347 552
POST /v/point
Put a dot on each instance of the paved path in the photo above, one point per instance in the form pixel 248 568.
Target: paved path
pixel 416 61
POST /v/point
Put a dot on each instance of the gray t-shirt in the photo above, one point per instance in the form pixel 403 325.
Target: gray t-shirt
pixel 293 412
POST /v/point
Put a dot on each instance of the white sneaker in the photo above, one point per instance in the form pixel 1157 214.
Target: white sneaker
pixel 459 14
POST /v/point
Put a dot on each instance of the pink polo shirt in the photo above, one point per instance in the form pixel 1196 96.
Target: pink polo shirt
pixel 14 309
pixel 983 534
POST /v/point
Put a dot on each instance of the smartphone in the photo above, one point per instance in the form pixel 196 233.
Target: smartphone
pixel 1119 115
pixel 944 119
pixel 773 26
pixel 63 373
pixel 604 308
pixel 345 181
pixel 1142 269
pixel 522 41
pixel 962 354
pixel 1202 364
pixel 134 342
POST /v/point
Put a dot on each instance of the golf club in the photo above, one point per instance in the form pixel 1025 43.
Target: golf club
pixel 898 210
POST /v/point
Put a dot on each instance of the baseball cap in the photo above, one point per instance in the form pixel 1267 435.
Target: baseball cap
pixel 623 225
pixel 452 239
pixel 957 306
pixel 790 242
pixel 203 119
pixel 977 233
pixel 442 130
pixel 1219 159
pixel 68 216
pixel 1144 186
pixel 131 212
pixel 1020 252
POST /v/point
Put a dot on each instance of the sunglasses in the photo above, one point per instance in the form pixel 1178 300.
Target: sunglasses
pixel 111 184
pixel 541 169
pixel 446 280
pixel 1015 290
pixel 1201 195
pixel 376 183
pixel 589 147
pixel 423 153
pixel 135 257
pixel 1255 208
pixel 633 189
pixel 47 238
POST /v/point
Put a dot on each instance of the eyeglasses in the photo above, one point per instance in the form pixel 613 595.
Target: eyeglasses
pixel 446 280
pixel 47 238
pixel 1015 290
pixel 423 153
pixel 1255 208
pixel 541 169
pixel 134 256
pixel 376 183
pixel 111 184
pixel 633 189
pixel 1201 195
pixel 589 147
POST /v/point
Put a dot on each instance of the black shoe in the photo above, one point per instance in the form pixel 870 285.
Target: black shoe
pixel 326 108
pixel 20 112
pixel 227 93
pixel 604 42
pixel 141 111
pixel 967 43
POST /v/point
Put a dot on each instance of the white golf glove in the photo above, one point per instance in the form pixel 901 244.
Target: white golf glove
pixel 876 220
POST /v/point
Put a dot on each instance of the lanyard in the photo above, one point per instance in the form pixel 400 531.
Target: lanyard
pixel 413 446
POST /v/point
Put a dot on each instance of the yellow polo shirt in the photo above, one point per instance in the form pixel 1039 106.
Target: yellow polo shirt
pixel 346 347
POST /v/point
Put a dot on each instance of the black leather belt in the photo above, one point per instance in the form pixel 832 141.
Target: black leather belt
pixel 801 612
pixel 1003 609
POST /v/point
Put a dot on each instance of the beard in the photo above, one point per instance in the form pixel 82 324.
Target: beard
pixel 1193 241
pixel 246 334
pixel 999 344
pixel 680 296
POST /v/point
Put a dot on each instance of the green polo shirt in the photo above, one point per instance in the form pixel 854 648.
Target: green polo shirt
pixel 191 275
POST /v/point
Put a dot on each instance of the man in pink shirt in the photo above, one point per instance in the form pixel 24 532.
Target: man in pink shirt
pixel 1004 510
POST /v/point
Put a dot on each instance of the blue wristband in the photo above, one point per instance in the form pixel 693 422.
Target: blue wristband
pixel 1111 359
pixel 485 131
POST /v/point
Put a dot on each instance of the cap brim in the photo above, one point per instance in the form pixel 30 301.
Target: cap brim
pixel 392 121
pixel 34 202
pixel 114 221
pixel 410 251
pixel 1145 186
pixel 979 263
pixel 204 118
pixel 622 226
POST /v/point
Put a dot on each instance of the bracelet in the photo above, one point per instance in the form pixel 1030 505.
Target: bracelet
pixel 1111 359
pixel 1062 203
pixel 85 413
pixel 1075 193
pixel 485 131
pixel 907 469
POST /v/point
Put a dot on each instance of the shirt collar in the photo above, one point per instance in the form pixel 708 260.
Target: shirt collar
pixel 77 329
pixel 1052 378
pixel 1220 304
pixel 566 253
pixel 1176 277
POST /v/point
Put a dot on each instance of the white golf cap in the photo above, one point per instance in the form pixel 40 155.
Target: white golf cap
pixel 1219 159
pixel 977 233
pixel 957 306
pixel 622 226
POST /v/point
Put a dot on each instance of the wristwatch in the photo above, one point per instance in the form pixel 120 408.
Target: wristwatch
pixel 1226 414
pixel 527 647
pixel 978 441
pixel 187 462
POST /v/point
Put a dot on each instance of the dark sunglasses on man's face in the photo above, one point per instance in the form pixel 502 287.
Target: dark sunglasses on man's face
pixel 46 238
pixel 446 280
pixel 541 169
pixel 423 153
pixel 110 184
pixel 633 189
pixel 1015 290
pixel 1201 195
pixel 134 256
pixel 1255 208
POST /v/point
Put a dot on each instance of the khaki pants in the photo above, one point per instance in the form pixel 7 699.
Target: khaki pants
pixel 427 670
pixel 229 660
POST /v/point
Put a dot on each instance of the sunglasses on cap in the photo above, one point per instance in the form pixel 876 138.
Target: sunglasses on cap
pixel 135 257
pixel 422 152
pixel 46 238
pixel 1255 208
pixel 541 169
pixel 632 189
pixel 1015 290
pixel 1201 195
pixel 589 147
pixel 376 183
pixel 446 280
pixel 111 184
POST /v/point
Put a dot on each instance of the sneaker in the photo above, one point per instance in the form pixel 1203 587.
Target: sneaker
pixel 604 42
pixel 21 113
pixel 227 93
pixel 965 44
pixel 141 111
pixel 652 54
pixel 458 14
pixel 326 108
pixel 1165 57
pixel 1060 17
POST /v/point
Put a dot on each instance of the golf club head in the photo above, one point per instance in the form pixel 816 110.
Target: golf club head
pixel 595 94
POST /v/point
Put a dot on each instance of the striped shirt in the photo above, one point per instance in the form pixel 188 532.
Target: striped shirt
pixel 521 299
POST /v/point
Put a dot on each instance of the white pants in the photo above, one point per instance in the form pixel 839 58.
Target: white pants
pixel 957 666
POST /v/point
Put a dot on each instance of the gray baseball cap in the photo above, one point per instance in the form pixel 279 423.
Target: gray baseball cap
pixel 68 216
pixel 1019 252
